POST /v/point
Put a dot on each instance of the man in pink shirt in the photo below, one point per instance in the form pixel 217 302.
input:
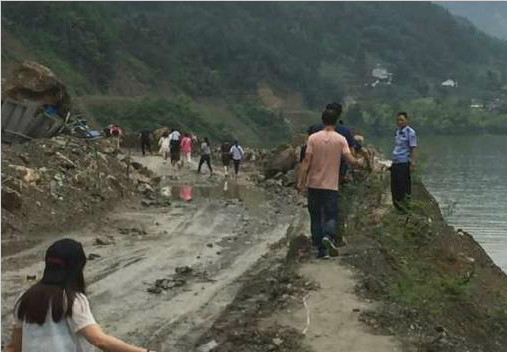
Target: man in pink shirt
pixel 320 175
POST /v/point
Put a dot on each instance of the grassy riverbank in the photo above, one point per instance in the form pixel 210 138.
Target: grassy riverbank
pixel 440 288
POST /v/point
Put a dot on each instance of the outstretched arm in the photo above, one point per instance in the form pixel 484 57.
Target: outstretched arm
pixel 351 160
pixel 94 335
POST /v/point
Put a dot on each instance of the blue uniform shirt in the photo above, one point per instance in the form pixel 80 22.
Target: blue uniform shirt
pixel 404 139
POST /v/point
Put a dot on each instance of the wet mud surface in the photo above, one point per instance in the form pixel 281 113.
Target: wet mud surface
pixel 212 227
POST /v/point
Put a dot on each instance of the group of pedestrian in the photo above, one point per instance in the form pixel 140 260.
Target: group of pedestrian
pixel 234 152
pixel 324 162
pixel 172 144
pixel 228 152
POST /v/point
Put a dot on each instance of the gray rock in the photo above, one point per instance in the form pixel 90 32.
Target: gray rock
pixel 282 161
pixel 93 256
pixel 207 347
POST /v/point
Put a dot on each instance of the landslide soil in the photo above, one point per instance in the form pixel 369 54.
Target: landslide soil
pixel 215 237
pixel 58 185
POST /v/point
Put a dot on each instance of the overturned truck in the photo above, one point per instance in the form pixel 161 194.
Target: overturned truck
pixel 35 104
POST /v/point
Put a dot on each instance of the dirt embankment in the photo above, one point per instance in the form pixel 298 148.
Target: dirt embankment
pixel 403 282
pixel 440 289
pixel 51 185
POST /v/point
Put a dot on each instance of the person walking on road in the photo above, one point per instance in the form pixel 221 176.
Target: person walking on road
pixel 344 131
pixel 403 162
pixel 225 150
pixel 205 156
pixel 236 154
pixel 145 136
pixel 164 144
pixel 186 147
pixel 115 132
pixel 54 314
pixel 320 176
pixel 174 139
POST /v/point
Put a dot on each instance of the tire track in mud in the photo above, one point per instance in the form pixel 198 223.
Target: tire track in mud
pixel 179 235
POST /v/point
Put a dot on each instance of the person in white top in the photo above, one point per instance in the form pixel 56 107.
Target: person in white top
pixel 164 144
pixel 174 135
pixel 237 154
pixel 54 314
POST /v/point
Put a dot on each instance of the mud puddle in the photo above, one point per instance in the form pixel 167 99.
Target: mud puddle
pixel 225 191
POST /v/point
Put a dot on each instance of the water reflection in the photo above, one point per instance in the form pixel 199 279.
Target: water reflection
pixel 224 190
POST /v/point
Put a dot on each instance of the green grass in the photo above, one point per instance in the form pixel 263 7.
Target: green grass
pixel 418 281
pixel 415 279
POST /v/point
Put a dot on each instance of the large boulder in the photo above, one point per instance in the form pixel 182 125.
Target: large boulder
pixel 281 161
pixel 37 83
pixel 159 132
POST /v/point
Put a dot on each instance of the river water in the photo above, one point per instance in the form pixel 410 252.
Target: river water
pixel 468 177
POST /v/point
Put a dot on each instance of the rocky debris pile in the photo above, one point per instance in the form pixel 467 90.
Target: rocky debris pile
pixel 133 231
pixel 37 83
pixel 47 182
pixel 157 134
pixel 104 241
pixel 281 165
pixel 182 274
pixel 281 161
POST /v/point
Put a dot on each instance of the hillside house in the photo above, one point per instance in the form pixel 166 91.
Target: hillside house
pixel 450 83
pixel 381 75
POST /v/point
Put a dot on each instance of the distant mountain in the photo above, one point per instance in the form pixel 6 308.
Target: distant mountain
pixel 257 68
pixel 489 16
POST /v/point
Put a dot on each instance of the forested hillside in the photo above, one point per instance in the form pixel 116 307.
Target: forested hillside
pixel 489 16
pixel 262 70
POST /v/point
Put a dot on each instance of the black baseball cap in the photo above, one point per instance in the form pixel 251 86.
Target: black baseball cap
pixel 63 258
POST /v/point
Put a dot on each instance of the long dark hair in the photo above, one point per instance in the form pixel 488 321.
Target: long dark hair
pixel 62 280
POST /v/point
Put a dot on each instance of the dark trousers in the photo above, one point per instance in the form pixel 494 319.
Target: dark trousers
pixel 205 158
pixel 145 144
pixel 401 184
pixel 323 208
pixel 236 165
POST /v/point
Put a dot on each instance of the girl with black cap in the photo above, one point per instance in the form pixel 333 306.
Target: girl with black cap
pixel 54 314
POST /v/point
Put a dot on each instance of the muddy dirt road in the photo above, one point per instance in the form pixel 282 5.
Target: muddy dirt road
pixel 204 268
pixel 212 240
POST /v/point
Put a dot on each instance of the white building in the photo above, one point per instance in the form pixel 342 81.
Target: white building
pixel 380 73
pixel 450 83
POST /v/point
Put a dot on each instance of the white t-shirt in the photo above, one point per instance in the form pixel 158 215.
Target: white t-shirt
pixel 174 136
pixel 164 143
pixel 61 336
pixel 237 152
